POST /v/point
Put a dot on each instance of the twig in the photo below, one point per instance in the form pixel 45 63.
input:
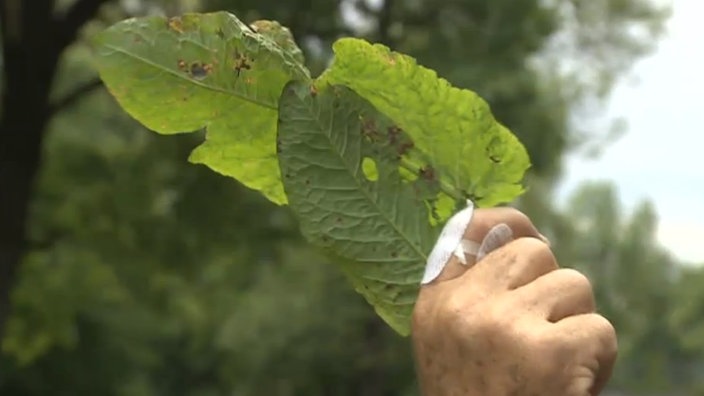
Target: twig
pixel 73 96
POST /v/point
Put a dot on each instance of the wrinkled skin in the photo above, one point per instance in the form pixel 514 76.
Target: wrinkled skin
pixel 511 324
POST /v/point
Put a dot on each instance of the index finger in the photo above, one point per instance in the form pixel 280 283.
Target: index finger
pixel 485 230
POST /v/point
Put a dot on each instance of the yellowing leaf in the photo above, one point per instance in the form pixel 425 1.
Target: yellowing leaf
pixel 469 151
pixel 205 70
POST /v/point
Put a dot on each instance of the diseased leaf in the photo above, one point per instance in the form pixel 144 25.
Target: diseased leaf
pixel 374 224
pixel 469 151
pixel 205 70
pixel 374 157
pixel 281 35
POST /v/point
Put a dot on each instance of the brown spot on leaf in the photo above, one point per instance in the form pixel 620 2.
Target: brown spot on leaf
pixel 369 129
pixel 175 24
pixel 199 70
pixel 242 62
pixel 427 173
pixel 393 132
pixel 404 148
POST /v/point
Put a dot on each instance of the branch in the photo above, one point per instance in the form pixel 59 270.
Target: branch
pixel 73 96
pixel 81 12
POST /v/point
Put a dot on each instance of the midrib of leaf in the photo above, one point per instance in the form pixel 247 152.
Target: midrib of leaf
pixel 194 82
pixel 328 132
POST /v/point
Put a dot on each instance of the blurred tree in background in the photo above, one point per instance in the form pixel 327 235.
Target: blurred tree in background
pixel 143 275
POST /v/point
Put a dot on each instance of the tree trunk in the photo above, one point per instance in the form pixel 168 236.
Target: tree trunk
pixel 33 39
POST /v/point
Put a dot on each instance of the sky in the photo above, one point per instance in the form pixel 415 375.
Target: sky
pixel 661 157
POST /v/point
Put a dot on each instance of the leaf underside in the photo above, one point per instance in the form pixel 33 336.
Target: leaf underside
pixel 378 230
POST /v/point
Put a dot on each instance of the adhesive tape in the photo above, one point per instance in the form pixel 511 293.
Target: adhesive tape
pixel 451 242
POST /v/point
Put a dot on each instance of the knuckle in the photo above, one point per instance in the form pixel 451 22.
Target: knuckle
pixel 487 218
pixel 477 318
pixel 606 333
pixel 575 279
pixel 537 252
pixel 519 218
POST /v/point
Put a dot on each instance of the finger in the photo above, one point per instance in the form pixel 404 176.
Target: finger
pixel 495 222
pixel 518 263
pixel 594 339
pixel 559 294
pixel 488 230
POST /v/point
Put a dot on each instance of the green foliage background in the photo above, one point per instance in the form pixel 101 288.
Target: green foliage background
pixel 150 276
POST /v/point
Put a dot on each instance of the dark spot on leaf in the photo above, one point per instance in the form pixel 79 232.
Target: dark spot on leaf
pixel 175 24
pixel 242 62
pixel 495 159
pixel 307 182
pixel 199 70
pixel 338 220
pixel 369 130
pixel 427 173
pixel 181 64
pixel 393 132
pixel 404 148
pixel 394 254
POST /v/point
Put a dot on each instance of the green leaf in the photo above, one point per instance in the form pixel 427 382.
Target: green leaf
pixel 471 153
pixel 374 224
pixel 205 70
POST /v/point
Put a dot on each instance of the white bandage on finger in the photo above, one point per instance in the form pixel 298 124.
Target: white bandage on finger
pixel 448 243
pixel 466 247
pixel 451 242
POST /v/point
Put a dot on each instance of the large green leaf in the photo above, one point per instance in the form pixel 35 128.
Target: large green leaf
pixel 350 198
pixel 206 70
pixel 471 153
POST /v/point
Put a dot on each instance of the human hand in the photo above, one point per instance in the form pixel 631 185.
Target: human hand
pixel 512 323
